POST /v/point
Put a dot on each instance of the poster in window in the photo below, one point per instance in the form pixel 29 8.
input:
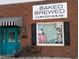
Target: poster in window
pixel 50 34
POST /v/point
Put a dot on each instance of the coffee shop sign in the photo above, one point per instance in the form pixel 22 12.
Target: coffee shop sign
pixel 50 11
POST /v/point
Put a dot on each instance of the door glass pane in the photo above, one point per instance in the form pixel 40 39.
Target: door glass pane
pixel 11 36
pixel 3 35
pixel 2 41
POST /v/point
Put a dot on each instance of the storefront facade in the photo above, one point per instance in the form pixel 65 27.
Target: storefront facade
pixel 55 20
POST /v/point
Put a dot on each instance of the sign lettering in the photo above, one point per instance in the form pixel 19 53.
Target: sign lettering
pixel 50 11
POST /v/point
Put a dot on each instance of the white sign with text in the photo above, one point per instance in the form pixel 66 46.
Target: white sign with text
pixel 50 11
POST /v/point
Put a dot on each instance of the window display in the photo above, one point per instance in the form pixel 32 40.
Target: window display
pixel 50 34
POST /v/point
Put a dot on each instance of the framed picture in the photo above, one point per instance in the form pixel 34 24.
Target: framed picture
pixel 50 34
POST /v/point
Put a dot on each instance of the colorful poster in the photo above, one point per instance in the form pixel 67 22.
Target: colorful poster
pixel 50 34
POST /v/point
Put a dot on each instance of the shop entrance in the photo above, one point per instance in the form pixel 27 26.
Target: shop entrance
pixel 9 40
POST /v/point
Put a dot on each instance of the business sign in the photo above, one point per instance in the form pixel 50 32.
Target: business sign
pixel 50 11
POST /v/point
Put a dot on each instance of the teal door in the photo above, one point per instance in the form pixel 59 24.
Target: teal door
pixel 2 41
pixel 10 41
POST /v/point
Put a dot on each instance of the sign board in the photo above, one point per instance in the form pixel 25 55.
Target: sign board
pixel 50 11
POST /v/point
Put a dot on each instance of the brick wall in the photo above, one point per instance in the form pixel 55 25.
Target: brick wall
pixel 25 10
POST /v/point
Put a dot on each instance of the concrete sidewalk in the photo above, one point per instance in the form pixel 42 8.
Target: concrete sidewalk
pixel 37 58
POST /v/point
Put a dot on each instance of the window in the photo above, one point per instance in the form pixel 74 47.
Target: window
pixel 3 35
pixel 51 34
pixel 11 36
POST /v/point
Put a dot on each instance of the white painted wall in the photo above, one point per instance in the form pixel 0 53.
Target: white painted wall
pixel 3 2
